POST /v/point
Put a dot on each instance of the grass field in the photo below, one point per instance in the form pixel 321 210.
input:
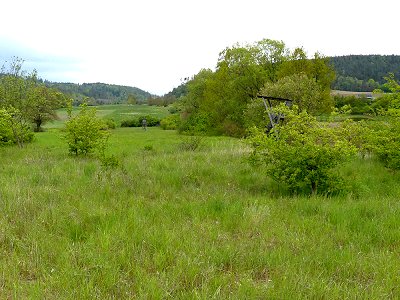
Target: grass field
pixel 116 112
pixel 188 225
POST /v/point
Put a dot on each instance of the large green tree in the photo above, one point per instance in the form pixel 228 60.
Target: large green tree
pixel 25 101
pixel 217 99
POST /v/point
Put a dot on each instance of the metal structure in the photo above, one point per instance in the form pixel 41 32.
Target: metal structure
pixel 274 119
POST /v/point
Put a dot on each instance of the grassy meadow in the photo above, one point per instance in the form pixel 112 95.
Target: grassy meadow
pixel 180 224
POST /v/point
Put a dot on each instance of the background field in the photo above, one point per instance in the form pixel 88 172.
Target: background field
pixel 116 112
pixel 183 224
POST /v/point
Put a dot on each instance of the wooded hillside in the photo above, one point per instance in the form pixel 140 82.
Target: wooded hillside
pixel 100 93
pixel 363 72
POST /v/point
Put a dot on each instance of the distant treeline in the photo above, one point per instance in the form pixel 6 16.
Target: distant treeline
pixel 100 93
pixel 363 72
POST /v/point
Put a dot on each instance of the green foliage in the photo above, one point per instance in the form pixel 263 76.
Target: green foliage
pixel 27 102
pixel 85 132
pixel 132 99
pixel 360 134
pixel 137 121
pixel 218 99
pixel 305 92
pixel 171 122
pixel 43 102
pixel 353 105
pixel 132 122
pixel 13 128
pixel 318 68
pixel 301 153
pixel 6 134
pixel 110 123
pixel 386 142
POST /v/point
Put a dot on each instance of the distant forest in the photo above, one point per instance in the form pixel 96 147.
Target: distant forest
pixel 100 93
pixel 363 72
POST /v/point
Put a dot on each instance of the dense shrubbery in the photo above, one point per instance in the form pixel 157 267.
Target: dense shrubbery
pixel 137 121
pixel 216 99
pixel 13 128
pixel 25 104
pixel 171 122
pixel 301 153
pixel 199 123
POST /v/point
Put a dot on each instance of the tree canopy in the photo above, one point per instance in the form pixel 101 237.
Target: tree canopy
pixel 216 100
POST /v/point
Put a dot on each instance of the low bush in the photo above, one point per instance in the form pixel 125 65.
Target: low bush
pixel 301 153
pixel 137 121
pixel 85 132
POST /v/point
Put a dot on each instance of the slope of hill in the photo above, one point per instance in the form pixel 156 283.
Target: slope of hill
pixel 363 72
pixel 100 93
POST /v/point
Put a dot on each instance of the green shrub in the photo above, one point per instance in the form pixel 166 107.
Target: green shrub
pixel 6 134
pixel 137 121
pixel 301 153
pixel 199 123
pixel 130 123
pixel 13 129
pixel 151 120
pixel 110 124
pixel 387 142
pixel 85 132
pixel 170 122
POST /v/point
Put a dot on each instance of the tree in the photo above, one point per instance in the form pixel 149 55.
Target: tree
pixel 301 153
pixel 43 102
pixel 217 99
pixel 15 86
pixel 131 99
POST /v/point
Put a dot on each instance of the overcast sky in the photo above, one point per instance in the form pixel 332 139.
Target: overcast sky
pixel 152 44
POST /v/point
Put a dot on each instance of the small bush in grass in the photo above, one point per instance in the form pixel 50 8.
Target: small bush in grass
pixel 137 121
pixel 130 123
pixel 302 153
pixel 85 132
pixel 110 123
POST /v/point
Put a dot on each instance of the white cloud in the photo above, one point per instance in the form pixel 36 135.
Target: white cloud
pixel 152 44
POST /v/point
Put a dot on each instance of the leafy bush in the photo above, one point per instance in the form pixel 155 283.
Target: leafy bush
pixel 6 134
pixel 110 124
pixel 170 122
pixel 199 123
pixel 13 129
pixel 85 132
pixel 151 120
pixel 130 123
pixel 387 142
pixel 137 122
pixel 301 153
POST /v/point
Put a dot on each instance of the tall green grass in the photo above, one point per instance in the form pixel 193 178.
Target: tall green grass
pixel 183 224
